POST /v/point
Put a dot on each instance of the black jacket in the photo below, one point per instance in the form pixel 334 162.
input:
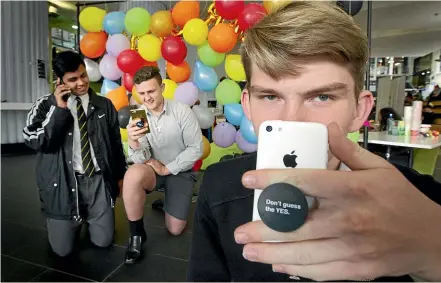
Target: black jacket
pixel 49 130
pixel 224 204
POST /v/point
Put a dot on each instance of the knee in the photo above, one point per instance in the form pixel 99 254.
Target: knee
pixel 134 174
pixel 176 229
pixel 103 241
pixel 62 250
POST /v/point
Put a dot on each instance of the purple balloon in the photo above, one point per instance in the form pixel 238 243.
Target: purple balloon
pixel 224 134
pixel 116 44
pixel 109 68
pixel 187 93
pixel 243 144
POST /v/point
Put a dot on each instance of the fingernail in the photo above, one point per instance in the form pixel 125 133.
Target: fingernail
pixel 293 277
pixel 250 254
pixel 277 268
pixel 249 180
pixel 241 238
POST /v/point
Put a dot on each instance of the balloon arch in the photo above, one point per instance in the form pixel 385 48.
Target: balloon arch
pixel 117 44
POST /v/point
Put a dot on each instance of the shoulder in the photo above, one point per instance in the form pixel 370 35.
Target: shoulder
pixel 424 183
pixel 44 100
pixel 222 181
pixel 179 108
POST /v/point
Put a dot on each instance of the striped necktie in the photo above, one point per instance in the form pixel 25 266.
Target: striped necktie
pixel 86 156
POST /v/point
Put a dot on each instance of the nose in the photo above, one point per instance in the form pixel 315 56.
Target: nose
pixel 294 110
pixel 81 82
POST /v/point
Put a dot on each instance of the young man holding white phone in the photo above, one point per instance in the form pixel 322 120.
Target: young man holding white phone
pixel 306 63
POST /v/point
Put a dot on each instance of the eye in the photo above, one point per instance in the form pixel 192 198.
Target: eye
pixel 322 98
pixel 268 97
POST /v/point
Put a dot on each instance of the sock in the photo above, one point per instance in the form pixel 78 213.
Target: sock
pixel 137 228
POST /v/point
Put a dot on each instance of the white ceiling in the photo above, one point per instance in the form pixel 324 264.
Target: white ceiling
pixel 403 28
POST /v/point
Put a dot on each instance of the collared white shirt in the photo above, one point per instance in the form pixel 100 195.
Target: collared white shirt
pixel 77 159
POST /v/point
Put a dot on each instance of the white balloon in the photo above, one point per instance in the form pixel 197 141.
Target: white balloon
pixel 93 70
pixel 204 115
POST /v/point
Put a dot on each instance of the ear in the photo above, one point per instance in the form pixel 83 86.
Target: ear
pixel 364 107
pixel 245 101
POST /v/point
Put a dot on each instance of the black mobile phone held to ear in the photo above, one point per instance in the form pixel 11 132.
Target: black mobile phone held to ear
pixel 66 96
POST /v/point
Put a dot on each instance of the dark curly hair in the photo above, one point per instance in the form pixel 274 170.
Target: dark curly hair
pixel 147 73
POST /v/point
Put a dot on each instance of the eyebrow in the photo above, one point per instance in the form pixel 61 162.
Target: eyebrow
pixel 319 90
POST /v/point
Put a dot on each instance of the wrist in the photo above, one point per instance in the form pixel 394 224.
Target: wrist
pixel 134 144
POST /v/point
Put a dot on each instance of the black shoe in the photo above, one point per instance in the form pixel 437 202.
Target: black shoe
pixel 158 204
pixel 135 249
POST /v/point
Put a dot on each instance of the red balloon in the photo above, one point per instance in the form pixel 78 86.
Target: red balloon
pixel 127 81
pixel 129 61
pixel 174 50
pixel 229 9
pixel 197 165
pixel 250 15
pixel 148 63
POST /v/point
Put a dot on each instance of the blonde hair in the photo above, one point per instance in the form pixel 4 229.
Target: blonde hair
pixel 304 31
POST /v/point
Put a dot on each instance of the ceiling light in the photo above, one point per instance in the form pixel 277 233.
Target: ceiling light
pixel 396 64
pixel 74 26
pixel 428 72
pixel 423 74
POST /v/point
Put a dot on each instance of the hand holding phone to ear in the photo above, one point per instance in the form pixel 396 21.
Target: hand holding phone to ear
pixel 61 92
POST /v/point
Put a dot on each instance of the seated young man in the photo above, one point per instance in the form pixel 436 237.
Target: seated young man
pixel 163 157
pixel 306 62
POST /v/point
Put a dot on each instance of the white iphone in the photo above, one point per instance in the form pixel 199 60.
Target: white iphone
pixel 287 144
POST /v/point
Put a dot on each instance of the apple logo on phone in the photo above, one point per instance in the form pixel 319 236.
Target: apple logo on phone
pixel 290 160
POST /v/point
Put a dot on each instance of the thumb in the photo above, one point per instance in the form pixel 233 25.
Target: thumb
pixel 350 153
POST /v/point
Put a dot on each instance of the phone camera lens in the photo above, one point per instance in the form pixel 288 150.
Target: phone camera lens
pixel 269 128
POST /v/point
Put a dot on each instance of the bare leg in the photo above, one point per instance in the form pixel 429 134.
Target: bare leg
pixel 175 226
pixel 138 178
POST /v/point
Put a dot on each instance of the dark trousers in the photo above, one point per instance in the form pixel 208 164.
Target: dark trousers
pixel 95 209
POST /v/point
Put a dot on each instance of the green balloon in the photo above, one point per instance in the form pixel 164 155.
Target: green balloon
pixel 227 92
pixel 137 21
pixel 210 57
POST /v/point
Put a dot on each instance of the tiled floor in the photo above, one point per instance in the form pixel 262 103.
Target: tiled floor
pixel 26 255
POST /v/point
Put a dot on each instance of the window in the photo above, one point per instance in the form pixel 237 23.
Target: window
pixel 63 39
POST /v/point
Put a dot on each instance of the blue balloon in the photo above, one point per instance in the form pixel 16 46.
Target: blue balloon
pixel 205 77
pixel 247 130
pixel 113 22
pixel 108 85
pixel 234 113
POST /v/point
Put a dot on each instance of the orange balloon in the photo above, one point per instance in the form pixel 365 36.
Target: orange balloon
pixel 179 73
pixel 207 148
pixel 161 23
pixel 222 38
pixel 118 97
pixel 184 11
pixel 93 44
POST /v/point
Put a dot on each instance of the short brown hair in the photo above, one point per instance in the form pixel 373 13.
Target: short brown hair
pixel 147 73
pixel 303 31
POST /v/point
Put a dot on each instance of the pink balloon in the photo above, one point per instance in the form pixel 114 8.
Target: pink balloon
pixel 109 68
pixel 187 93
pixel 116 44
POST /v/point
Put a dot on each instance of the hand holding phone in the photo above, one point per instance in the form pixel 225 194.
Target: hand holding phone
pixel 138 126
pixel 286 144
pixel 62 93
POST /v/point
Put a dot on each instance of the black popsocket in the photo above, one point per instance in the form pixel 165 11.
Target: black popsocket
pixel 282 207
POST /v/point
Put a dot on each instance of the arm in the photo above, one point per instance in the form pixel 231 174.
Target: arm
pixel 116 144
pixel 192 135
pixel 207 260
pixel 45 126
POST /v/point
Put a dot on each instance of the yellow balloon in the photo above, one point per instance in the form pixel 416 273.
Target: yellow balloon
pixel 149 47
pixel 91 19
pixel 124 135
pixel 169 89
pixel 207 148
pixel 234 68
pixel 161 23
pixel 136 96
pixel 272 5
pixel 195 32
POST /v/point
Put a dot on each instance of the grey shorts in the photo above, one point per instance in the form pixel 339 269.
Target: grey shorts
pixel 178 190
